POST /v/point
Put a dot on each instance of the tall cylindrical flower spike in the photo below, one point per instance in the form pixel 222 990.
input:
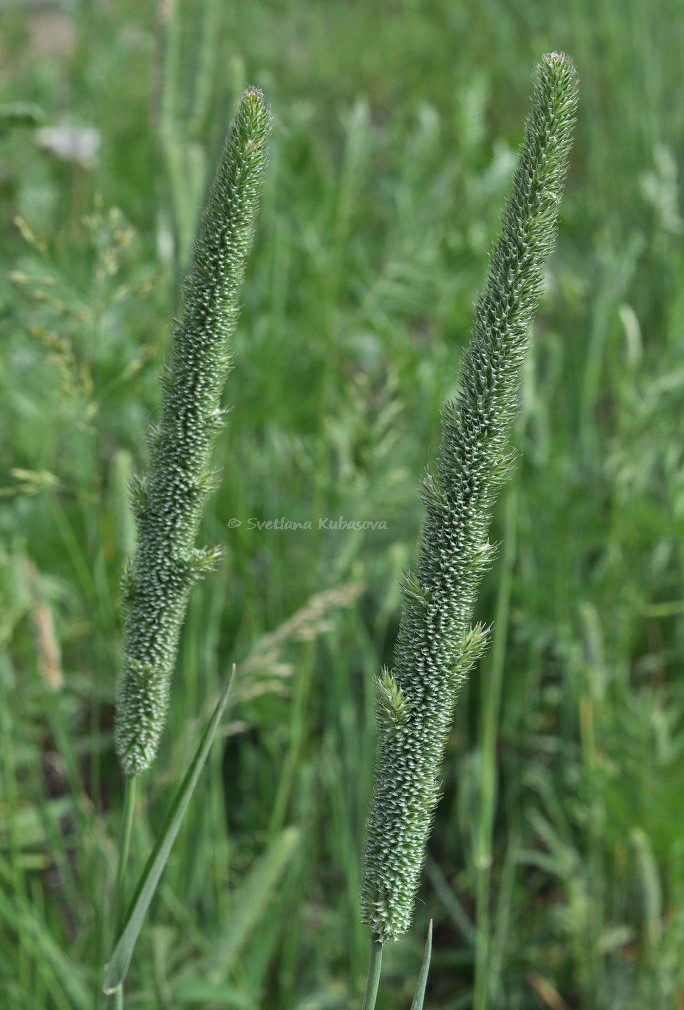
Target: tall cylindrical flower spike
pixel 169 500
pixel 436 645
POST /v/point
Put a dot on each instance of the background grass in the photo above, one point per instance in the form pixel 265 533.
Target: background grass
pixel 556 867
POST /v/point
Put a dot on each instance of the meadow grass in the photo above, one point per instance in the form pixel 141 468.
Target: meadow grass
pixel 395 132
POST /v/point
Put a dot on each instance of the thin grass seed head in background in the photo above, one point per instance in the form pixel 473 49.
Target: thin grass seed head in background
pixel 436 645
pixel 169 500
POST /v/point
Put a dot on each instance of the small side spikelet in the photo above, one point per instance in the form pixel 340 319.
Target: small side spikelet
pixel 436 645
pixel 139 496
pixel 168 501
pixel 392 706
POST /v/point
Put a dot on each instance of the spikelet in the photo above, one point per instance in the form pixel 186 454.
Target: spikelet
pixel 169 500
pixel 436 645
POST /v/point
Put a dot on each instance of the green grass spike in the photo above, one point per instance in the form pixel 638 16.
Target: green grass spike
pixel 436 645
pixel 169 500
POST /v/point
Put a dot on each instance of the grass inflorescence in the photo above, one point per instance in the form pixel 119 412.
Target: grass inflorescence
pixel 169 500
pixel 437 644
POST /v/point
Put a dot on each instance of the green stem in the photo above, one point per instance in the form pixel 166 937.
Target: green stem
pixel 373 980
pixel 124 847
pixel 130 789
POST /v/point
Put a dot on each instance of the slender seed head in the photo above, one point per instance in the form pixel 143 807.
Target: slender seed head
pixel 168 501
pixel 437 644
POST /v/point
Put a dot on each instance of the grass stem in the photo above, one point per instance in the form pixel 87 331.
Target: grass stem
pixel 130 790
pixel 124 847
pixel 373 980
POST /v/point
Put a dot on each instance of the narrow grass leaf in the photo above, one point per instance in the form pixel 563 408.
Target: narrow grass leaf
pixel 419 997
pixel 49 959
pixel 449 900
pixel 255 896
pixel 197 990
pixel 115 971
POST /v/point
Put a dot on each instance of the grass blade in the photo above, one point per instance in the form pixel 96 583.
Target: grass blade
pixel 255 896
pixel 51 964
pixel 115 971
pixel 424 969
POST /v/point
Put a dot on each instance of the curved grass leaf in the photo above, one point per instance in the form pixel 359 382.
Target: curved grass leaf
pixel 115 971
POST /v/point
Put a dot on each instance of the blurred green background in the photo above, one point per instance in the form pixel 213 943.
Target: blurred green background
pixel 555 875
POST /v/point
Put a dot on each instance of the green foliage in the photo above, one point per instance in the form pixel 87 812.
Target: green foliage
pixel 168 503
pixel 397 126
pixel 436 646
